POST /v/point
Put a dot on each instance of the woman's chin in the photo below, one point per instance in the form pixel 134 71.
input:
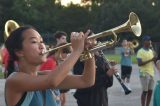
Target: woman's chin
pixel 44 60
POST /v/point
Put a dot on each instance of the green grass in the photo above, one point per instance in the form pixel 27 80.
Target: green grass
pixel 118 57
pixel 1 75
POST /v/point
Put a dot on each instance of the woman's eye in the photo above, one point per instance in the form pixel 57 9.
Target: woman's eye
pixel 41 42
pixel 34 42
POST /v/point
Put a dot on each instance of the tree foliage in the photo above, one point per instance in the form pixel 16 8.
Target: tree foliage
pixel 48 16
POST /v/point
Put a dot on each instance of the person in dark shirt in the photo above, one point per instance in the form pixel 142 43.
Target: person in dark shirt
pixel 97 94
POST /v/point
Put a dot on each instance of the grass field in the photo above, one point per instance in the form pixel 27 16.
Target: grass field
pixel 1 75
pixel 118 57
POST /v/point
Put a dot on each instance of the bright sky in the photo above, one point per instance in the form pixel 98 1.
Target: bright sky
pixel 65 2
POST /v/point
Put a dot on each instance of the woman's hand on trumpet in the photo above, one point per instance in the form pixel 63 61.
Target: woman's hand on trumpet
pixel 80 42
pixel 77 41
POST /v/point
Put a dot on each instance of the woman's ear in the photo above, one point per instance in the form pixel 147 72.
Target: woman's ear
pixel 19 53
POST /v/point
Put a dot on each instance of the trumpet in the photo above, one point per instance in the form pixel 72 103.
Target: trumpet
pixel 133 44
pixel 131 25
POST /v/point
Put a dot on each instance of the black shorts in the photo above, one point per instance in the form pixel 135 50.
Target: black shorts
pixel 126 71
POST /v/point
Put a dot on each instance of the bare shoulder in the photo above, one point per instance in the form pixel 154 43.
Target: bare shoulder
pixel 15 78
pixel 21 82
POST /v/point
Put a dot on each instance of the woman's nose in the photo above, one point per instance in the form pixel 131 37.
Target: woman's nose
pixel 42 46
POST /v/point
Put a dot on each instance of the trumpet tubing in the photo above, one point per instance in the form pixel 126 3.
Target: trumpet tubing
pixel 132 25
pixel 133 44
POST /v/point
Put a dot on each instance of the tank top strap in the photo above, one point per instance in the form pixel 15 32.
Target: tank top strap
pixel 22 99
pixel 27 99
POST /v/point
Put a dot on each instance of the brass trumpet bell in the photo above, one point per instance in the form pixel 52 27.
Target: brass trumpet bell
pixel 133 44
pixel 10 26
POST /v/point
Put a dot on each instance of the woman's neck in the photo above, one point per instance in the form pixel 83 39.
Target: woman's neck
pixel 28 68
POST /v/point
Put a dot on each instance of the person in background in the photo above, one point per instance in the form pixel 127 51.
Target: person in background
pixel 5 58
pixel 145 59
pixel 61 55
pixel 61 37
pixel 53 59
pixel 156 95
pixel 50 64
pixel 95 95
pixel 24 86
pixel 126 62
pixel 1 67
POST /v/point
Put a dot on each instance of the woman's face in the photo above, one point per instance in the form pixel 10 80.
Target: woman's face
pixel 32 47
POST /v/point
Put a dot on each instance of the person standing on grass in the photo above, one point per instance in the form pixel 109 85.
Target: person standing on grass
pixel 126 62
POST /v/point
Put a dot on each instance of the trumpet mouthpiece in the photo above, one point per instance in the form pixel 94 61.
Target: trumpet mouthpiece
pixel 44 51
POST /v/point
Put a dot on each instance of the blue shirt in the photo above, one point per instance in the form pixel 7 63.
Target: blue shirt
pixel 125 56
pixel 36 98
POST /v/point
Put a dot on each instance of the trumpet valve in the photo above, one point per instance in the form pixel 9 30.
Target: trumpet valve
pixel 86 55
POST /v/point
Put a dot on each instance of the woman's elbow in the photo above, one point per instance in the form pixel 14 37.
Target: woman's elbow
pixel 89 83
pixel 53 83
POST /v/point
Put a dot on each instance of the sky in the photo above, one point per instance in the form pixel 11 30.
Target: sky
pixel 65 2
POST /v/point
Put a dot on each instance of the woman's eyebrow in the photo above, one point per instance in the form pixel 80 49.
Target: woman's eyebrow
pixel 32 38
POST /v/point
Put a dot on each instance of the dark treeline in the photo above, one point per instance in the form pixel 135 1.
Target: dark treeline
pixel 47 16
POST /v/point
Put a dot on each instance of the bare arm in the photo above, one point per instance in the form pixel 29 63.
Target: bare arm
pixel 141 63
pixel 25 82
pixel 87 79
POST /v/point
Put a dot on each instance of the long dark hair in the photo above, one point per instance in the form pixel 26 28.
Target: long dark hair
pixel 14 43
